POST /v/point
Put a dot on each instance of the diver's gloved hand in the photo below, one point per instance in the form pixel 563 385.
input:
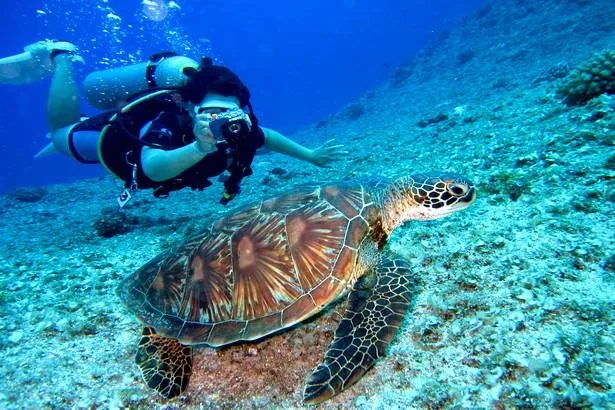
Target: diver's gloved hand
pixel 324 155
pixel 205 140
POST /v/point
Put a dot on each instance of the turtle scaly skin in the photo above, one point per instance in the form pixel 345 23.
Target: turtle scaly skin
pixel 273 264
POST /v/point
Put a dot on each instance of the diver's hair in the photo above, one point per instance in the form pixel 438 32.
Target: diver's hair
pixel 210 78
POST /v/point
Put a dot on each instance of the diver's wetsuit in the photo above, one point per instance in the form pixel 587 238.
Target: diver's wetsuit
pixel 119 149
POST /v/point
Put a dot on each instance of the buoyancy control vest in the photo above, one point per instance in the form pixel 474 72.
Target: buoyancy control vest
pixel 120 148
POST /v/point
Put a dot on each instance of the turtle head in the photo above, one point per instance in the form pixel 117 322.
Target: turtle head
pixel 425 197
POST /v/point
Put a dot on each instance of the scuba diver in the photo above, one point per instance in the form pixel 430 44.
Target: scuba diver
pixel 167 124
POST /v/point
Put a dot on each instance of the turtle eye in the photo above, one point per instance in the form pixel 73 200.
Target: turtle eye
pixel 458 189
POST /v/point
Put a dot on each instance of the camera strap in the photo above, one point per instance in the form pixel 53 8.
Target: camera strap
pixel 240 168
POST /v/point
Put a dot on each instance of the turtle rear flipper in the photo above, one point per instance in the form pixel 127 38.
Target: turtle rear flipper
pixel 376 308
pixel 166 364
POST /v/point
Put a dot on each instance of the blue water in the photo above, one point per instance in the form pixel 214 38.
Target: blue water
pixel 301 60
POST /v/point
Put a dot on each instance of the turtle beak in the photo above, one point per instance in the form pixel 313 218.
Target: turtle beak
pixel 464 201
pixel 470 196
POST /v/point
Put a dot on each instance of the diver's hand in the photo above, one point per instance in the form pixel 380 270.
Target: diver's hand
pixel 202 133
pixel 324 155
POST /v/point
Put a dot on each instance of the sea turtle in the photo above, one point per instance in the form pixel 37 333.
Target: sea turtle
pixel 270 265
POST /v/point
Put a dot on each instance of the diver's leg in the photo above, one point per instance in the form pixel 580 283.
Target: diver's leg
pixel 79 141
pixel 63 111
pixel 63 103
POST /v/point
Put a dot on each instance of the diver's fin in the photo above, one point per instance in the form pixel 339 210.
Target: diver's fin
pixel 35 63
pixel 46 151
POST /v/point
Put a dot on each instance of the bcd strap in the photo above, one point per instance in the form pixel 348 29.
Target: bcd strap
pixel 152 64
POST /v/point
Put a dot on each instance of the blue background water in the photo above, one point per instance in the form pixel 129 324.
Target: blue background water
pixel 301 60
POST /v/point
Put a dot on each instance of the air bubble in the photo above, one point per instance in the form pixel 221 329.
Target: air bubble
pixel 155 10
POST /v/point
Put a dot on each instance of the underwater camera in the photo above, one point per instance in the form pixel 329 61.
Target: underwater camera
pixel 232 127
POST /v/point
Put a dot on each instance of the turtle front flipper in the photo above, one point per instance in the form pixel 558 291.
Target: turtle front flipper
pixel 166 364
pixel 376 309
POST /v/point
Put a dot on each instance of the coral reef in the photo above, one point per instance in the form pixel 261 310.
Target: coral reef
pixel 29 195
pixel 590 79
pixel 112 222
pixel 464 57
pixel 432 120
pixel 354 111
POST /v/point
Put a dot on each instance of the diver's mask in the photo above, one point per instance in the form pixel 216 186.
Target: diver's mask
pixel 229 126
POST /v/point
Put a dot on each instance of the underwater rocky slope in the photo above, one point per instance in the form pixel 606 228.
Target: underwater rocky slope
pixel 516 298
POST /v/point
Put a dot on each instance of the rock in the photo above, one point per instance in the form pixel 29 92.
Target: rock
pixel 16 337
pixel 29 195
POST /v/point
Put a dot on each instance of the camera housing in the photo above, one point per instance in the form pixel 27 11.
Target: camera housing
pixel 232 127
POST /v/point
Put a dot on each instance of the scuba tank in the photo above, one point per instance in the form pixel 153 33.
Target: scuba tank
pixel 109 89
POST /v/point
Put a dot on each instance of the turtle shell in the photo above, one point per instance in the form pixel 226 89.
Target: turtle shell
pixel 257 270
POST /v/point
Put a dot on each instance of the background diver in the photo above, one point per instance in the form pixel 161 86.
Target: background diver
pixel 167 124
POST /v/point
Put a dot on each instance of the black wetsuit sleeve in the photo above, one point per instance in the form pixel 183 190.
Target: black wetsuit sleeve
pixel 258 138
pixel 164 132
